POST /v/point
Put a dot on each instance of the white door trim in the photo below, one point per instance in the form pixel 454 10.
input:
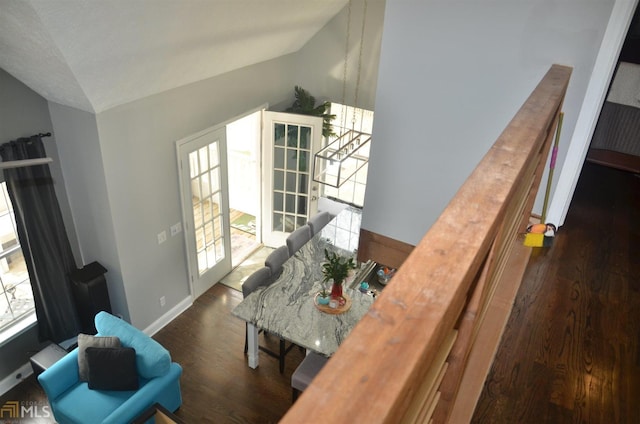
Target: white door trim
pixel 594 98
pixel 185 210
pixel 183 150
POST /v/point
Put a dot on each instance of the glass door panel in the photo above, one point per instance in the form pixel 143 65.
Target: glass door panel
pixel 290 141
pixel 207 208
pixel 205 202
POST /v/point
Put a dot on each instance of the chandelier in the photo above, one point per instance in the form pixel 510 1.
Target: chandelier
pixel 342 158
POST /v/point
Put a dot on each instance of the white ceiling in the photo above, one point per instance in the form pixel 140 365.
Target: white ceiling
pixel 94 55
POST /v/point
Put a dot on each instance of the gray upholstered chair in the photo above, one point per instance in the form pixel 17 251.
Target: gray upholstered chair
pixel 306 371
pixel 275 260
pixel 262 277
pixel 298 238
pixel 318 221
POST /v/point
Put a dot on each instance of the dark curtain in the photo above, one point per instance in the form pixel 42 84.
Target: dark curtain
pixel 43 239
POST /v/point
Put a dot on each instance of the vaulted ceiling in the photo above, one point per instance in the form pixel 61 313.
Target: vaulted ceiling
pixel 94 55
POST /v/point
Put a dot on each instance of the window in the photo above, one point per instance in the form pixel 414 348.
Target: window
pixel 347 117
pixel 16 297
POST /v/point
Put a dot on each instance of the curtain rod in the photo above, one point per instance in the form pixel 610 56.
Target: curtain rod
pixel 24 162
pixel 41 135
pixel 27 162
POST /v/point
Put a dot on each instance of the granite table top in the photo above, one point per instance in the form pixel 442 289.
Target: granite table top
pixel 286 308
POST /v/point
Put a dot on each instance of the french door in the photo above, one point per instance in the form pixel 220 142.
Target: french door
pixel 290 196
pixel 205 203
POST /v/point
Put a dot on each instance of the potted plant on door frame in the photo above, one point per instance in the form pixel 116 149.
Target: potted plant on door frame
pixel 305 104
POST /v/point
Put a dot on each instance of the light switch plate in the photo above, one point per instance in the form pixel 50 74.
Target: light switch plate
pixel 176 228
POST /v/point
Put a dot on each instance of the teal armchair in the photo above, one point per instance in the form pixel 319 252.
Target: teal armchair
pixel 158 381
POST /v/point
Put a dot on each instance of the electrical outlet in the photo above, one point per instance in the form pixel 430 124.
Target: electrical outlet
pixel 176 228
pixel 163 301
pixel 162 237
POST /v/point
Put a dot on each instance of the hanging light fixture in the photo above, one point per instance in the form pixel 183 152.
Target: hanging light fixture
pixel 342 158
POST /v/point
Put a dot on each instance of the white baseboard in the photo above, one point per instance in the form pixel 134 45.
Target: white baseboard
pixel 15 378
pixel 169 316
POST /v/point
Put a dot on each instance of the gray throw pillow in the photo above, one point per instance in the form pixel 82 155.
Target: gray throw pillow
pixel 85 341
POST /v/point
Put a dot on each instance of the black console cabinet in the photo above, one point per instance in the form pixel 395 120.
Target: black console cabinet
pixel 46 357
pixel 91 295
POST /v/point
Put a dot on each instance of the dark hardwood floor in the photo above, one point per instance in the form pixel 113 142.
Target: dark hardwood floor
pixel 571 349
pixel 217 385
pixel 570 352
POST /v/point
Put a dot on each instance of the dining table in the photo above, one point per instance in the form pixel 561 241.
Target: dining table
pixel 288 309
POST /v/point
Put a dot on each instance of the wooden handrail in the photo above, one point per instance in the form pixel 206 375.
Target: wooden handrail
pixel 415 356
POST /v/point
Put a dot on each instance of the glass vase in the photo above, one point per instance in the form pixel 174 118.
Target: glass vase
pixel 336 290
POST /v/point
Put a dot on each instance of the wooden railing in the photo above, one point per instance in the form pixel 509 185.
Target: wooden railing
pixel 421 354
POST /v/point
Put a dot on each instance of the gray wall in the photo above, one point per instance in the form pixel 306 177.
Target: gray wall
pixel 138 194
pixel 321 60
pixel 81 161
pixel 451 77
pixel 24 113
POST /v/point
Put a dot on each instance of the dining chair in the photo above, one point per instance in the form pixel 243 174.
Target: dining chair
pixel 298 238
pixel 306 371
pixel 275 260
pixel 262 277
pixel 318 221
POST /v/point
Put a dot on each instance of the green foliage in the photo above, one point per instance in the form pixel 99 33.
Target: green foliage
pixel 305 104
pixel 336 267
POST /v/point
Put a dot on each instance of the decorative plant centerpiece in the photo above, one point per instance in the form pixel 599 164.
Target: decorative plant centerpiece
pixel 336 269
